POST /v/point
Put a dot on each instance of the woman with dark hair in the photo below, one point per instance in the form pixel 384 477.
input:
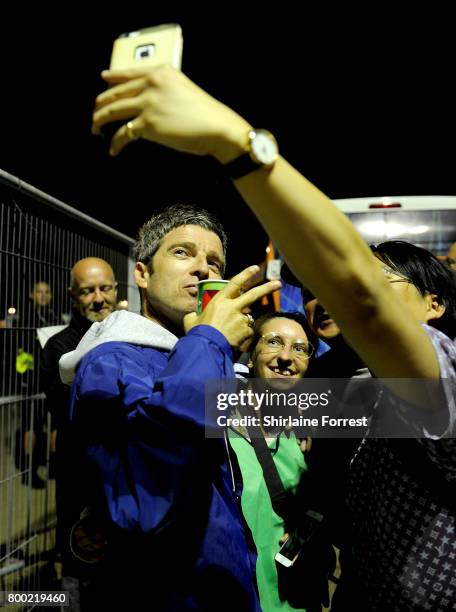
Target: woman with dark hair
pixel 282 346
pixel 423 271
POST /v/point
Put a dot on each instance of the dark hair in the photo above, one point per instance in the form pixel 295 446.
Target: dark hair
pixel 151 234
pixel 294 316
pixel 427 273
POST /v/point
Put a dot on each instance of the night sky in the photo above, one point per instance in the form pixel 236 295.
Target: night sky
pixel 361 107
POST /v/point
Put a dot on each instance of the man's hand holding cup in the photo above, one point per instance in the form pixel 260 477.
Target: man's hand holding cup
pixel 228 310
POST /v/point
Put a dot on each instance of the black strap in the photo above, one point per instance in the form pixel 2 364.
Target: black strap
pixel 241 166
pixel 280 499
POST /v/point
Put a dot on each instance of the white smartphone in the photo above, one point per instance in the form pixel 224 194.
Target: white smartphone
pixel 148 47
pixel 289 551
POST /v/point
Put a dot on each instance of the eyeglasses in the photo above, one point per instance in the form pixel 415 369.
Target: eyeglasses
pixel 273 343
pixel 389 273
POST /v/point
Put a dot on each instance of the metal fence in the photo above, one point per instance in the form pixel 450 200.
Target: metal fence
pixel 40 240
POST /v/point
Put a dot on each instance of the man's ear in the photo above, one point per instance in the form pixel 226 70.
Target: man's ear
pixel 141 274
pixel 434 306
pixel 250 364
pixel 71 292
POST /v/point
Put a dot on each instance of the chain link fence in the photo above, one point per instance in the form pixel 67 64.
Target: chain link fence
pixel 40 240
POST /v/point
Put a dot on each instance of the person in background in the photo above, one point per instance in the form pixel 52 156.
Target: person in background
pixel 282 346
pixel 31 436
pixel 42 312
pixel 93 291
pixel 450 257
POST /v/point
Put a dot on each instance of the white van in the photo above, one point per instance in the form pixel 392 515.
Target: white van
pixel 427 221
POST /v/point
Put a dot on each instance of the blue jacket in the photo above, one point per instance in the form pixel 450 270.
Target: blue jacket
pixel 169 493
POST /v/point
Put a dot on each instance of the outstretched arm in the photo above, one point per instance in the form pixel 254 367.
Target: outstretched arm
pixel 319 243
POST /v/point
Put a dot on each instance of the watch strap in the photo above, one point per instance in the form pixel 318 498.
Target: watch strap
pixel 240 166
pixel 249 161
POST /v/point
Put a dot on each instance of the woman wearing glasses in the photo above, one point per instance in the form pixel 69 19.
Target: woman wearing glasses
pixel 282 346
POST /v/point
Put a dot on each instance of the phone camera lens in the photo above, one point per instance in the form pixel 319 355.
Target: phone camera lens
pixel 144 52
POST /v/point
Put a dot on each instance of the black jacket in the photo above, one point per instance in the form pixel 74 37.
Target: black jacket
pixel 70 496
pixel 57 393
pixel 329 458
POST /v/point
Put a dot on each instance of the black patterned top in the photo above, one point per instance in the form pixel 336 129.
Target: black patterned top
pixel 404 541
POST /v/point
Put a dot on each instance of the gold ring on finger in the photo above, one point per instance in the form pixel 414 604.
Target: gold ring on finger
pixel 130 131
pixel 250 320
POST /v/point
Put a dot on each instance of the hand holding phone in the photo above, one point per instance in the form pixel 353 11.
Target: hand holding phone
pixel 145 48
pixel 178 114
pixel 291 549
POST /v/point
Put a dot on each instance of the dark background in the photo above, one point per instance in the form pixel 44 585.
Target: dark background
pixel 362 105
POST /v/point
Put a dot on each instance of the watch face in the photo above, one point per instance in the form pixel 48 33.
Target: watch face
pixel 264 147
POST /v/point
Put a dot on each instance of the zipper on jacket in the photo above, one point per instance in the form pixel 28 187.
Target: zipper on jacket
pixel 233 482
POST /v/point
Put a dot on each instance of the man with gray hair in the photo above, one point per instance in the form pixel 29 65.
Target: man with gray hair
pixel 166 298
pixel 164 501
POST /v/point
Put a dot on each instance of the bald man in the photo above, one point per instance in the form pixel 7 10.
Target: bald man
pixel 93 291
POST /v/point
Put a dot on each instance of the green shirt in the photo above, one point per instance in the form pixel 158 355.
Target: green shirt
pixel 266 526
